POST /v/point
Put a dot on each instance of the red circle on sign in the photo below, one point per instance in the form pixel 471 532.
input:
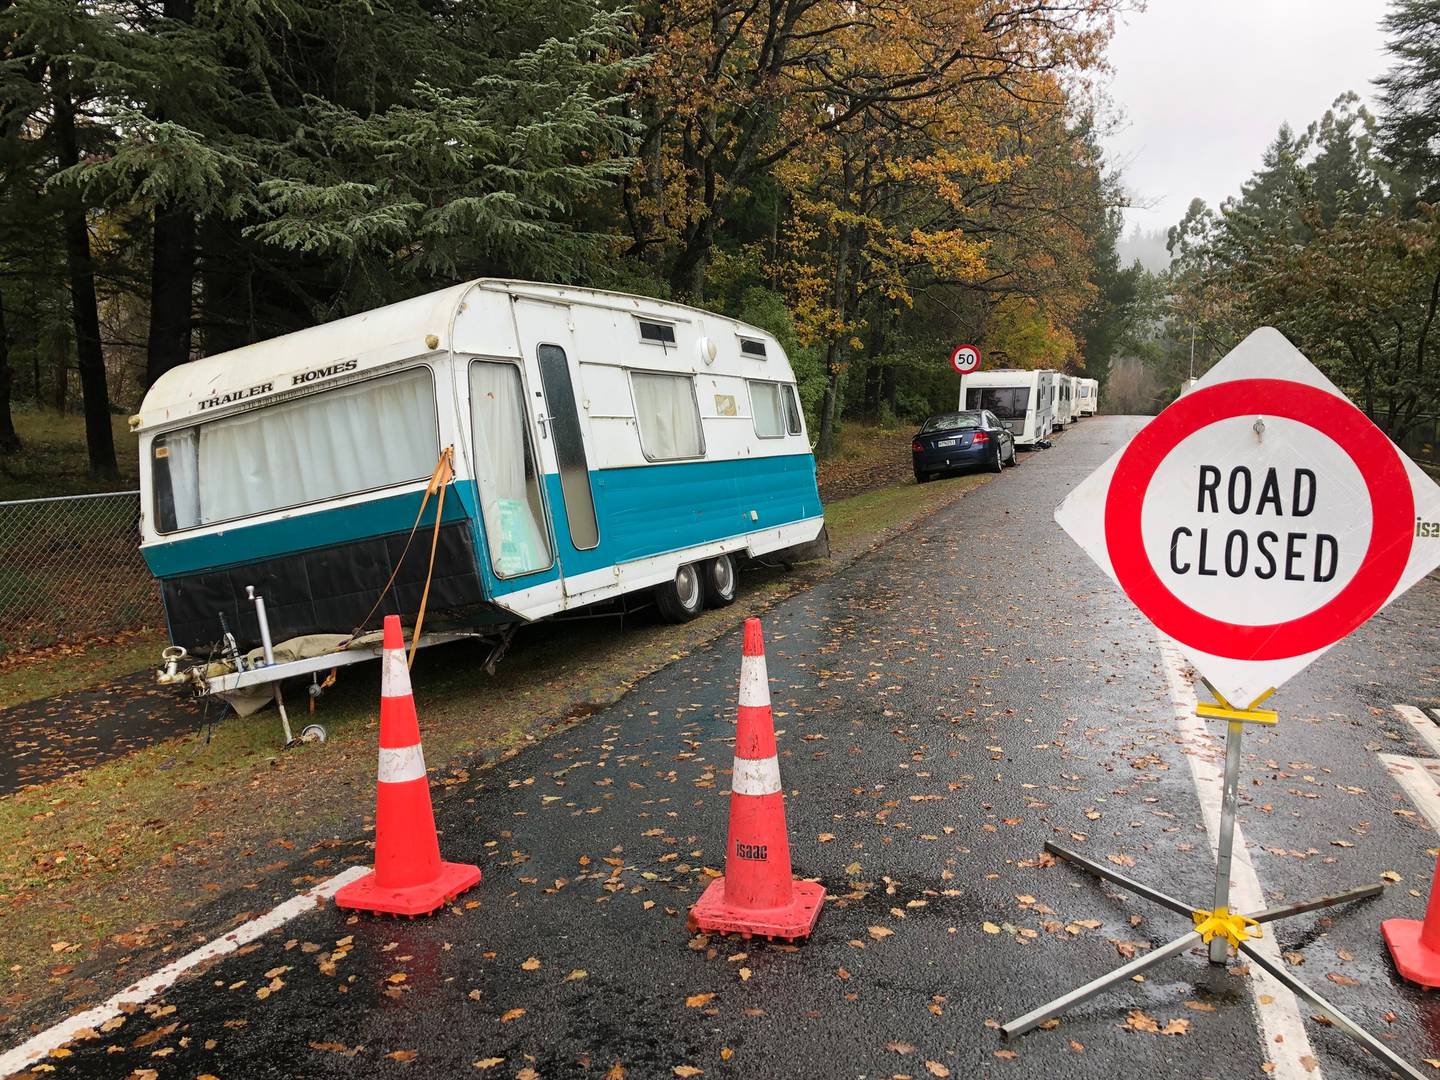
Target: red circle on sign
pixel 965 359
pixel 1392 506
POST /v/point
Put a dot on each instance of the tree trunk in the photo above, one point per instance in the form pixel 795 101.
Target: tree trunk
pixel 172 281
pixel 172 265
pixel 84 306
pixel 9 441
pixel 687 277
pixel 829 404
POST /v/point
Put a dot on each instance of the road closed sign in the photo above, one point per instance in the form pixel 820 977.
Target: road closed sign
pixel 1259 519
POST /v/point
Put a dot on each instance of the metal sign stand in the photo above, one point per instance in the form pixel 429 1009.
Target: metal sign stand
pixel 1218 927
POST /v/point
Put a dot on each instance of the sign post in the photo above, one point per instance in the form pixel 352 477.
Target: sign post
pixel 1257 521
pixel 965 359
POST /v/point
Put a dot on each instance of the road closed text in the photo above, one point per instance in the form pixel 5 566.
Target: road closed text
pixel 1275 544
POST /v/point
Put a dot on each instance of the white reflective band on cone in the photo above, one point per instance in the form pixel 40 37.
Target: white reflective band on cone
pixel 394 674
pixel 754 777
pixel 406 763
pixel 754 681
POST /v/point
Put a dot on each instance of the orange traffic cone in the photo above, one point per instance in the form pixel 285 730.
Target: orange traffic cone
pixel 757 895
pixel 409 878
pixel 1415 945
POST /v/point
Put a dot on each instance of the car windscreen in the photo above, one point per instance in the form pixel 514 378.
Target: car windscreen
pixel 1006 402
pixel 952 421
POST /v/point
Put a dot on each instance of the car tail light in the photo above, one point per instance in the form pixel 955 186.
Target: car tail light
pixel 916 447
pixel 980 439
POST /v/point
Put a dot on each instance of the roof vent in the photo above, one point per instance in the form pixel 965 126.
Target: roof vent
pixel 751 347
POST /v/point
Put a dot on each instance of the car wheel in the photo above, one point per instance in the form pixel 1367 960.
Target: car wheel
pixel 1012 463
pixel 998 463
pixel 722 581
pixel 920 477
pixel 682 599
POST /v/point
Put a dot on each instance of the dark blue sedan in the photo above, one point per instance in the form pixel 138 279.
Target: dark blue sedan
pixel 961 440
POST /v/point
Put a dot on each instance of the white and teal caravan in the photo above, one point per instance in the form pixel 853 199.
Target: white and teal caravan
pixel 603 444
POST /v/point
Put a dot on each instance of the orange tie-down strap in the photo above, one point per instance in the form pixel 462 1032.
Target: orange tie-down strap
pixel 439 481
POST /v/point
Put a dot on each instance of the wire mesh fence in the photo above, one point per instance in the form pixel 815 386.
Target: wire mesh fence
pixel 70 568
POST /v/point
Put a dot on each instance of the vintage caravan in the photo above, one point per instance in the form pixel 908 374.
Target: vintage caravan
pixel 1062 400
pixel 591 445
pixel 1087 397
pixel 1021 399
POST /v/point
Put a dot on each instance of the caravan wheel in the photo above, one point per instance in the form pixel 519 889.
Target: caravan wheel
pixel 722 581
pixel 682 599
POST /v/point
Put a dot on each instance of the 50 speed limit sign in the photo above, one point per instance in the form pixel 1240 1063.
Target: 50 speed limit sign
pixel 1259 519
pixel 965 359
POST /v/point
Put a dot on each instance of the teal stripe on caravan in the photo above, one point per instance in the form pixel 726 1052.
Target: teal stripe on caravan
pixel 643 511
pixel 653 509
pixel 302 532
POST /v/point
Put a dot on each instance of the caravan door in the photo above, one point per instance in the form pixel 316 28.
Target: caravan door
pixel 509 478
pixel 546 333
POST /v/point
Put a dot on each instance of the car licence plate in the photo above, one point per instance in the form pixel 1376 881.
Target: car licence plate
pixel 945 442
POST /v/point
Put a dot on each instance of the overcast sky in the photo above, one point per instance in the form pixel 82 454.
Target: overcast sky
pixel 1203 85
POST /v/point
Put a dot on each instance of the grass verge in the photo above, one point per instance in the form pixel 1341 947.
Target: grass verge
pixel 58 669
pixel 102 870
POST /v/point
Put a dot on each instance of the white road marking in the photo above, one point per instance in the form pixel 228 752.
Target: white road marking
pixel 51 1039
pixel 1284 1041
pixel 1424 727
pixel 1420 777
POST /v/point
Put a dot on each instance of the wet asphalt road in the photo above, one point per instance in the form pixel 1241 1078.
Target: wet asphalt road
pixel 945 705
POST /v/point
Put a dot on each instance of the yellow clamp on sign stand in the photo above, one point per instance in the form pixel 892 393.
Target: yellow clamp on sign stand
pixel 1226 711
pixel 1234 928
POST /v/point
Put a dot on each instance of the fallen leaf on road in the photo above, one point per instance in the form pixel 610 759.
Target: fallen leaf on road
pixel 1391 876
pixel 1121 860
pixel 1006 1055
pixel 489 1063
pixel 934 1068
pixel 990 928
pixel 532 964
pixel 695 1001
pixel 398 977
pixel 826 837
pixel 576 975
pixel 511 1014
pixel 687 1071
pixel 878 932
pixel 900 1047
pixel 402 1055
pixel 745 974
pixel 1342 980
pixel 615 1072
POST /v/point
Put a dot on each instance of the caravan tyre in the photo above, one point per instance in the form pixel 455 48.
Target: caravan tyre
pixel 682 599
pixel 722 581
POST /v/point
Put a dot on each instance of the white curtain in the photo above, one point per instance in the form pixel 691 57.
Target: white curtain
pixel 765 402
pixel 667 414
pixel 509 491
pixel 355 438
pixel 180 456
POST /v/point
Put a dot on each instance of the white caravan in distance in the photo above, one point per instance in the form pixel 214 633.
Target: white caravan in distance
pixel 1062 400
pixel 1020 399
pixel 1087 397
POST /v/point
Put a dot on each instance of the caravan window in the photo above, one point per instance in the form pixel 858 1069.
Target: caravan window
pixel 508 478
pixel 768 410
pixel 792 410
pixel 668 416
pixel 322 446
pixel 1006 402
